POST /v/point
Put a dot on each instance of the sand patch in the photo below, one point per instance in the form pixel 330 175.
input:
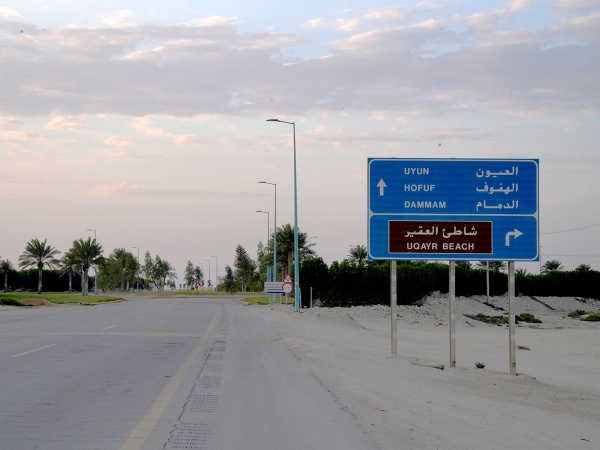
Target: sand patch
pixel 552 404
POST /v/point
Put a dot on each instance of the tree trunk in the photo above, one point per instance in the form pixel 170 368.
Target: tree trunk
pixel 70 282
pixel 39 280
pixel 84 282
pixel 5 281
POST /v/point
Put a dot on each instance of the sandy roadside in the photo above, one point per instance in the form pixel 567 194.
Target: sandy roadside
pixel 552 404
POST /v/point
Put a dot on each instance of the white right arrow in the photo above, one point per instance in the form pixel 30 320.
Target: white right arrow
pixel 514 234
pixel 381 185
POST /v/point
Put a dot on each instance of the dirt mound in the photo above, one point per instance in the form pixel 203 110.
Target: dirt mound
pixel 35 302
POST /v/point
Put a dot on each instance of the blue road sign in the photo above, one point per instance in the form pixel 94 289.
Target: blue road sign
pixel 453 209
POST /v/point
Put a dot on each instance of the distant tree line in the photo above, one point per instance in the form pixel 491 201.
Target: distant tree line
pixel 348 283
pixel 356 281
pixel 121 271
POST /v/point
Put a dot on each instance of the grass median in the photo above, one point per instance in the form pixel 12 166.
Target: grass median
pixel 22 298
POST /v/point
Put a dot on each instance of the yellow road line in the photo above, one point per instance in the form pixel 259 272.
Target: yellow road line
pixel 142 431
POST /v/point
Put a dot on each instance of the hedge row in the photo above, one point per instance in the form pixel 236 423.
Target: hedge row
pixel 52 281
pixel 349 284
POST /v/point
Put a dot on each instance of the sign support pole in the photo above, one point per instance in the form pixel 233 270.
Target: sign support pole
pixel 394 307
pixel 311 297
pixel 487 279
pixel 511 315
pixel 452 321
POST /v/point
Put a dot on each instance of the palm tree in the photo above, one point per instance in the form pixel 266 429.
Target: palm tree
pixel 68 269
pixel 38 254
pixel 85 254
pixel 357 254
pixel 5 266
pixel 285 247
pixel 552 266
pixel 583 268
pixel 521 272
pixel 165 271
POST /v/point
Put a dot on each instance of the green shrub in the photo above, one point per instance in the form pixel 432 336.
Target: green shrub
pixel 527 317
pixel 10 302
pixel 593 317
pixel 479 365
pixel 579 312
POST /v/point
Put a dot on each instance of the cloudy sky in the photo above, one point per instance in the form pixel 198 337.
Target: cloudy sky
pixel 147 123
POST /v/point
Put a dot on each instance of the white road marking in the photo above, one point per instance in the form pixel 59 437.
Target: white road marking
pixel 35 350
pixel 108 328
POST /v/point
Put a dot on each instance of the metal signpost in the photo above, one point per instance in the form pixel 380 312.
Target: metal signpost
pixel 454 209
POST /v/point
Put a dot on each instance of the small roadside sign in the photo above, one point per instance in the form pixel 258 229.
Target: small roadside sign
pixel 273 287
pixel 288 285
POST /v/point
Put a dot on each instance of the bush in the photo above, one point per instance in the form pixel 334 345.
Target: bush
pixel 527 317
pixel 593 317
pixel 577 313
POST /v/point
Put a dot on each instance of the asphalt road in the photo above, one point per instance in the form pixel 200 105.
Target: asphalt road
pixel 172 373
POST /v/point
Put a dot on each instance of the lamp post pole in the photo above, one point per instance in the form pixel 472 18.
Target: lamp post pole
pixel 208 272
pixel 95 268
pixel 296 257
pixel 274 234
pixel 217 274
pixel 137 278
pixel 268 222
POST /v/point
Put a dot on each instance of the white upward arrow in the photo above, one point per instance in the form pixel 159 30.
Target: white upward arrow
pixel 381 185
pixel 514 234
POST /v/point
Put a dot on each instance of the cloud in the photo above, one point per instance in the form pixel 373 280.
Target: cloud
pixel 125 189
pixel 65 123
pixel 428 6
pixel 118 141
pixel 380 115
pixel 575 5
pixel 144 125
pixel 9 13
pixel 207 67
pixel 9 123
pixel 313 23
pixel 387 15
pixel 133 155
pixel 121 19
pixel 346 24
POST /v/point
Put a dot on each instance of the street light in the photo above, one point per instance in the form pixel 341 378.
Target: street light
pixel 208 272
pixel 217 274
pixel 274 232
pixel 296 258
pixel 137 281
pixel 268 222
pixel 95 269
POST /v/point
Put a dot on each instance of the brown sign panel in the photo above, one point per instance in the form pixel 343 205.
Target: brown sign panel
pixel 426 236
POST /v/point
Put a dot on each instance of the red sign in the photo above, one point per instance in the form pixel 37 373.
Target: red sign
pixel 423 236
pixel 288 285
